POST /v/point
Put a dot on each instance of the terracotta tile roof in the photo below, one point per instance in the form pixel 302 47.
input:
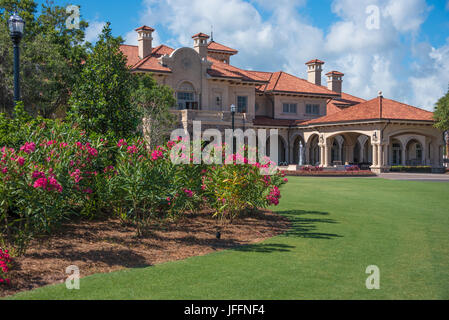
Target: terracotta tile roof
pixel 150 63
pixel 345 101
pixel 215 46
pixel 220 69
pixel 282 82
pixel 266 121
pixel 371 110
pixel 146 28
pixel 315 61
pixel 200 35
pixel 131 53
pixel 335 73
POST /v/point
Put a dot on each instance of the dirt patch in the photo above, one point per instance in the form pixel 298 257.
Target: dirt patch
pixel 106 246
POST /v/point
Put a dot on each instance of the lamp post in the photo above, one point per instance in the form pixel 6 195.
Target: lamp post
pixel 16 26
pixel 233 110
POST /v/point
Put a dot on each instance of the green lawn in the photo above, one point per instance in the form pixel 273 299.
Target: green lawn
pixel 340 226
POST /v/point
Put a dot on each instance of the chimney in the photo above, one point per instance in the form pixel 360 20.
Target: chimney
pixel 381 97
pixel 314 69
pixel 335 81
pixel 200 44
pixel 145 41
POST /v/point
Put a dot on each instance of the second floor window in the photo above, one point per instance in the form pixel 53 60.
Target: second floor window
pixel 242 104
pixel 313 109
pixel 186 100
pixel 290 108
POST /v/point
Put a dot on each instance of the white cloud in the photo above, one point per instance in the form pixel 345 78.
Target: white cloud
pixel 431 80
pixel 94 30
pixel 274 35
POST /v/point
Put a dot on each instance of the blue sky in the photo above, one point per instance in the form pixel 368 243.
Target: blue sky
pixel 406 55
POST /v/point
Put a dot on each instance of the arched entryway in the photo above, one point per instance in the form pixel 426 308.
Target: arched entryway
pixel 396 153
pixel 314 158
pixel 296 150
pixel 337 154
pixel 414 153
pixel 282 150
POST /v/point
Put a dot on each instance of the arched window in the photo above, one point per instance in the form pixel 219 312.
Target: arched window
pixel 186 97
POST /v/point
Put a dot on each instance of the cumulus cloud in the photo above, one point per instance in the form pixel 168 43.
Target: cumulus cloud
pixel 274 35
pixel 94 30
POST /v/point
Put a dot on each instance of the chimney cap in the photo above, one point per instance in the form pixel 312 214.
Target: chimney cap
pixel 200 35
pixel 315 61
pixel 335 73
pixel 145 28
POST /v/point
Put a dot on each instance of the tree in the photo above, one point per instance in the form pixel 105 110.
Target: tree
pixel 51 56
pixel 441 116
pixel 101 99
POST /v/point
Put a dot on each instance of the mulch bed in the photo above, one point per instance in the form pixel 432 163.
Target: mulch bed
pixel 361 173
pixel 106 246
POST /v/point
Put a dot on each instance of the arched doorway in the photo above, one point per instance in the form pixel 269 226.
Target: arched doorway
pixel 314 151
pixel 296 150
pixel 282 154
pixel 337 155
pixel 414 153
pixel 357 153
pixel 396 153
pixel 186 96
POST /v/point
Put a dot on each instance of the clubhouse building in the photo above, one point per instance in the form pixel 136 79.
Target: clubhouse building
pixel 334 127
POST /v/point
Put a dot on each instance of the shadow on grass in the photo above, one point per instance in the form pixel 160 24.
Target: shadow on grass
pixel 300 227
pixel 307 227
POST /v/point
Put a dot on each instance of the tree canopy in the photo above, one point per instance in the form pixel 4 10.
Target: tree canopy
pixel 51 56
pixel 442 113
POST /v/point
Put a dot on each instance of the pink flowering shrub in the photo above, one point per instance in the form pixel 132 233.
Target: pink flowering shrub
pixel 5 266
pixel 147 185
pixel 61 173
pixel 235 188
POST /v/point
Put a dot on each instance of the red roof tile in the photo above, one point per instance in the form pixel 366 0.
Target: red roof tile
pixel 200 35
pixel 150 63
pixel 215 46
pixel 315 61
pixel 282 82
pixel 220 69
pixel 146 28
pixel 335 73
pixel 345 101
pixel 371 110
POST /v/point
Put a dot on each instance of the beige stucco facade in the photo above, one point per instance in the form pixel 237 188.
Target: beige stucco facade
pixel 376 144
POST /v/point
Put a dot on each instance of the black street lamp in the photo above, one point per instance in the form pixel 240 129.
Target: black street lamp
pixel 233 111
pixel 16 26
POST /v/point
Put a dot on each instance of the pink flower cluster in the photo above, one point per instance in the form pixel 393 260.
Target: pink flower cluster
pixel 121 143
pixel 5 262
pixel 274 196
pixel 28 147
pixel 188 192
pixel 49 184
pixel 157 154
pixel 133 149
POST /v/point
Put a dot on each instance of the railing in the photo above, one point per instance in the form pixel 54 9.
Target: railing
pixel 207 115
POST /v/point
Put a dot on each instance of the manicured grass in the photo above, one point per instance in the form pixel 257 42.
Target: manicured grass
pixel 340 226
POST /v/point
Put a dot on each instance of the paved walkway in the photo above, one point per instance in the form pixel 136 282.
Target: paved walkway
pixel 415 176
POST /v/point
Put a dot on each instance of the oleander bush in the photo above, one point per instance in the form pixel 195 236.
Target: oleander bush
pixel 5 266
pixel 61 173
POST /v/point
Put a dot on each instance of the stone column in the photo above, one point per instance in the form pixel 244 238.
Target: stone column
pixel 326 155
pixel 375 157
pixel 380 161
pixel 321 155
pixel 404 153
